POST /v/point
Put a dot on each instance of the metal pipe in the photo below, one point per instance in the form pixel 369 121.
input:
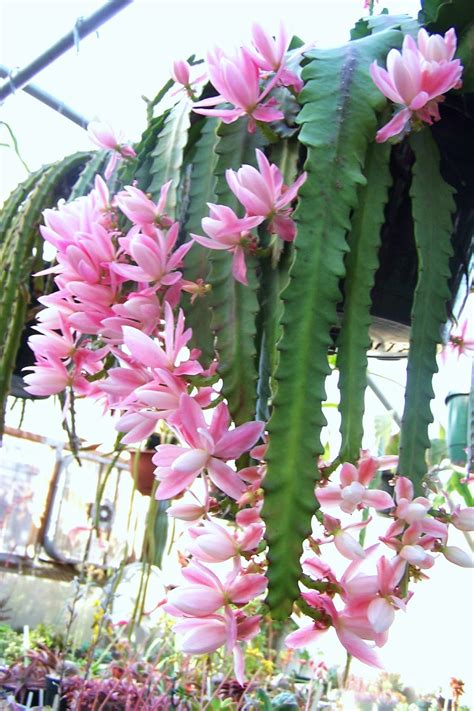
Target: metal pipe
pixel 46 98
pixel 82 28
pixel 381 397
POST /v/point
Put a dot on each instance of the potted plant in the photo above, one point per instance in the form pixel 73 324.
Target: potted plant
pixel 142 468
pixel 260 206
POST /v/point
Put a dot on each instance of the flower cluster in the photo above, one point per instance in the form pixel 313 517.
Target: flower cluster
pixel 370 601
pixel 113 331
pixel 417 79
pixel 246 78
pixel 265 197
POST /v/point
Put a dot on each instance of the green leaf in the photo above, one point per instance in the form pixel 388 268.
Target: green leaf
pixel 196 262
pixel 338 120
pixel 361 264
pixel 455 483
pixel 168 154
pixel 139 169
pixel 429 10
pixel 433 227
pixel 14 201
pixel 378 23
pixel 437 452
pixel 466 55
pixel 273 279
pixel 234 305
pixel 85 181
pixel 265 700
pixel 440 15
pixel 361 29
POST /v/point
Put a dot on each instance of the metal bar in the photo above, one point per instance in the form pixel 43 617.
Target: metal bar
pixel 82 28
pixel 379 394
pixel 46 98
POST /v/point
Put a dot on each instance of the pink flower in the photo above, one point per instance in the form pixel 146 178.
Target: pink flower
pixel 186 511
pixel 208 447
pixel 170 356
pixel 237 79
pixel 463 519
pixel 408 508
pixel 352 492
pixel 204 593
pixel 64 223
pixel 141 210
pixel 48 377
pixel 345 544
pixel 202 635
pixel 435 48
pixel 212 543
pixel 461 338
pixel 104 137
pixel 262 192
pixel 180 72
pixel 156 260
pixel 413 544
pixel 342 624
pixel 228 232
pixel 269 54
pixel 417 78
pixel 457 556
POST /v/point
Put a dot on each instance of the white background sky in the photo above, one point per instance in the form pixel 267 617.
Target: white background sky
pixel 131 57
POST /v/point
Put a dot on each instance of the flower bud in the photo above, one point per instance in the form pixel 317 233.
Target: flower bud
pixel 463 519
pixel 186 512
pixel 180 72
pixel 457 556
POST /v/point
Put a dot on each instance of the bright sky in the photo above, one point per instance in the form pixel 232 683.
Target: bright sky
pixel 105 78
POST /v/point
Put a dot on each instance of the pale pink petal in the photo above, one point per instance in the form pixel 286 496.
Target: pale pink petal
pixel 303 637
pixel 201 575
pixel 239 664
pixel 196 600
pixel 172 484
pixel 395 126
pixel 191 420
pixel 239 440
pixel 378 499
pixel 194 460
pixel 329 495
pixel 225 478
pixel 359 649
pixel 348 474
pixel 380 614
pixel 247 587
pixel 143 348
pixel 403 488
pixel 202 636
pixel 185 512
pixel 458 556
pixel 239 267
pixel 463 519
pixel 348 546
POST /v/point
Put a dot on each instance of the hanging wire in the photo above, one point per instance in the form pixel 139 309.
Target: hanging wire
pixel 82 28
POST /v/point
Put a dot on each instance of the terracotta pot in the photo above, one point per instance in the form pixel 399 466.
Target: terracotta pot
pixel 146 468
